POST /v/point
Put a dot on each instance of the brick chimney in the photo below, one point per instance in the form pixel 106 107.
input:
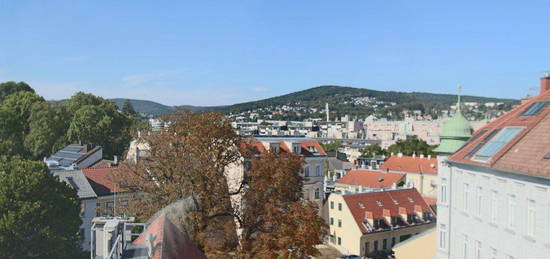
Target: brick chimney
pixel 545 83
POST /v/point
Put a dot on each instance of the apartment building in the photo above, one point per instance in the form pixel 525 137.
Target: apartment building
pixel 370 224
pixel 312 152
pixel 420 171
pixel 494 193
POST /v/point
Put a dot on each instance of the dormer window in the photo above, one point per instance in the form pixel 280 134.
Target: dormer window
pixel 410 199
pixel 312 149
pixel 296 148
pixel 275 147
pixel 379 203
pixel 361 205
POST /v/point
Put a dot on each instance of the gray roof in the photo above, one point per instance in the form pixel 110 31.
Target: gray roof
pixel 77 180
pixel 68 155
pixel 337 164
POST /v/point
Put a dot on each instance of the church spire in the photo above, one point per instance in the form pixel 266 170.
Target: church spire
pixel 458 102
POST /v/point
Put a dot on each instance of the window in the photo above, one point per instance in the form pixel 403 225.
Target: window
pixel 296 148
pixel 511 211
pixel 110 205
pixel 332 205
pixel 82 234
pixel 465 247
pixel 494 207
pixel 478 249
pixel 376 245
pixel 493 253
pixel 443 191
pixel 535 108
pixel 82 208
pixel 306 171
pixel 443 236
pixel 318 170
pixel 339 223
pixel 340 206
pixel 531 218
pixel 482 143
pixel 479 199
pixel 124 203
pixel 367 247
pixel 332 221
pixel 317 194
pixel 339 241
pixel 392 242
pixel 306 195
pixel 466 193
pixel 498 142
pixel 385 244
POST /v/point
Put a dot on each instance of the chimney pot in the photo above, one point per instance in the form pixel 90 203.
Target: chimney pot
pixel 545 83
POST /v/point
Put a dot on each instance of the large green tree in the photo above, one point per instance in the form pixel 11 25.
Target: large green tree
pixel 411 146
pixel 373 149
pixel 97 121
pixel 10 87
pixel 39 215
pixel 21 103
pixel 11 133
pixel 48 124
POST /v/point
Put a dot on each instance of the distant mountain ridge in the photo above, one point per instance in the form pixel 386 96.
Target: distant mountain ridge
pixel 337 97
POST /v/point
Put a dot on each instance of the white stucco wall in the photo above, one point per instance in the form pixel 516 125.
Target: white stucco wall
pixel 479 227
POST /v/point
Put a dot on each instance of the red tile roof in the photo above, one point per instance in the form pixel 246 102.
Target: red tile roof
pixel 168 241
pixel 525 152
pixel 409 164
pixel 101 180
pixel 393 201
pixel 371 179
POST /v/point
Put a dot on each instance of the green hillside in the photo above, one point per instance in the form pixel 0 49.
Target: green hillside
pixel 339 98
pixel 144 106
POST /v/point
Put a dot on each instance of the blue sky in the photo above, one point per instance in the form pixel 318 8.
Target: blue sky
pixel 223 52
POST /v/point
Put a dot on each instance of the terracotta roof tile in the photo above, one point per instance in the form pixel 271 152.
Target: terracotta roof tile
pixel 101 180
pixel 409 164
pixel 525 152
pixel 393 201
pixel 371 179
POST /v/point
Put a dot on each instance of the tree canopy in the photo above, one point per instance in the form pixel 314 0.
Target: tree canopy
pixel 39 214
pixel 33 128
pixel 190 159
pixel 411 146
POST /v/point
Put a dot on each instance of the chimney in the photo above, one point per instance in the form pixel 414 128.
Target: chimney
pixel 545 82
pixel 115 160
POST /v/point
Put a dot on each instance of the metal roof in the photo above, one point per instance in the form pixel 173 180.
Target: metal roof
pixel 77 180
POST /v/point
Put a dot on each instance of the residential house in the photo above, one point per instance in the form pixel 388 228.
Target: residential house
pixel 420 171
pixel 372 223
pixel 109 195
pixel 87 197
pixel 367 180
pixel 494 194
pixel 74 157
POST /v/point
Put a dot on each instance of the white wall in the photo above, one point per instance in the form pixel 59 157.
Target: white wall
pixel 89 214
pixel 507 241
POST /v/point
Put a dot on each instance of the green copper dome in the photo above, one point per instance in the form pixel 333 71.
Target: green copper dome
pixel 457 127
pixel 455 133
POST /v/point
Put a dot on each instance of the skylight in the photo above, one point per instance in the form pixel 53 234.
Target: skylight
pixel 361 205
pixel 535 108
pixel 497 143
